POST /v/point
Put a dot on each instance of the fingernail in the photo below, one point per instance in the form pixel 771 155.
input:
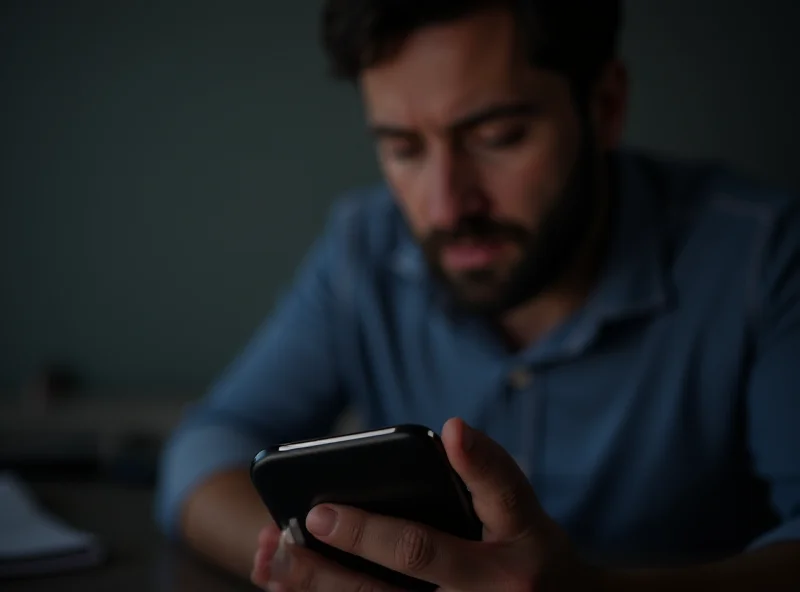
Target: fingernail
pixel 280 564
pixel 321 520
pixel 268 542
pixel 258 561
pixel 467 438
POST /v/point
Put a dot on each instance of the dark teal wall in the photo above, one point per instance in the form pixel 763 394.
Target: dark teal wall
pixel 166 164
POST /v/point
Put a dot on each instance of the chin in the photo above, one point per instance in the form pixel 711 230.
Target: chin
pixel 484 300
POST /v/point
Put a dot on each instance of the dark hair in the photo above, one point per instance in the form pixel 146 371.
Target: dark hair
pixel 574 37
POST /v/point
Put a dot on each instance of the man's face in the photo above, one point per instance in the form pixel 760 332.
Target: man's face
pixel 487 157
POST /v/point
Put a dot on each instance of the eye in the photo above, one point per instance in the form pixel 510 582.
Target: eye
pixel 400 149
pixel 505 137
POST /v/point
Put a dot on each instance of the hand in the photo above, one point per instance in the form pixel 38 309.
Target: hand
pixel 522 548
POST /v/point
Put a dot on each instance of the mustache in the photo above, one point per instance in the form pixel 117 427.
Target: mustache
pixel 479 229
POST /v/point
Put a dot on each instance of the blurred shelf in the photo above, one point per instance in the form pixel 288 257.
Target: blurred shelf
pixel 118 432
pixel 87 427
pixel 114 413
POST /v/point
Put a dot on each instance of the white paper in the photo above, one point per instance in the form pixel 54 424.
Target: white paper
pixel 31 541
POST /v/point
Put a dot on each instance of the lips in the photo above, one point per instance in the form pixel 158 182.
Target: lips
pixel 471 255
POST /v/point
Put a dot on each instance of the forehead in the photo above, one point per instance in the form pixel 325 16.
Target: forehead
pixel 446 70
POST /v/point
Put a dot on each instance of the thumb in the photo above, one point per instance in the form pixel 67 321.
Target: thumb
pixel 501 495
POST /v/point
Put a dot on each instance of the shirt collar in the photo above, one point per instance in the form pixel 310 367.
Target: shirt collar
pixel 407 260
pixel 634 283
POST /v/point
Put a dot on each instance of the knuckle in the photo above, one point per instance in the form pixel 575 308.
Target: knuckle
pixel 414 550
pixel 482 462
pixel 355 536
pixel 511 500
pixel 366 586
pixel 302 577
pixel 305 580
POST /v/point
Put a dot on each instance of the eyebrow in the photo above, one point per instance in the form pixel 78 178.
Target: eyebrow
pixel 493 112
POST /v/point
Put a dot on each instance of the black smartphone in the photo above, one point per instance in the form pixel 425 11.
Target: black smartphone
pixel 400 471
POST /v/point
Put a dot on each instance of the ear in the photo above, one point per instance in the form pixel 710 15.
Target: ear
pixel 609 104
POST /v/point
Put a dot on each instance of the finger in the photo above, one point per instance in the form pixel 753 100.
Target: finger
pixel 501 494
pixel 413 549
pixel 268 537
pixel 268 540
pixel 302 570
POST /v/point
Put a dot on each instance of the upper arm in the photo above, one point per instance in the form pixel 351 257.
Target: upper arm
pixel 285 385
pixel 774 387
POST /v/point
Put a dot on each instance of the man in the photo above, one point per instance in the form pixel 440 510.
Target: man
pixel 624 328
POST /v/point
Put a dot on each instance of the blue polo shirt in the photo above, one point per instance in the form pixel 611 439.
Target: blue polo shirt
pixel 661 422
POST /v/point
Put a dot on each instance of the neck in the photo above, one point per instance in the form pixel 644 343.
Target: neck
pixel 531 321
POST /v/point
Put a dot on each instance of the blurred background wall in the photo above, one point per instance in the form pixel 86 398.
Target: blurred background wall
pixel 165 164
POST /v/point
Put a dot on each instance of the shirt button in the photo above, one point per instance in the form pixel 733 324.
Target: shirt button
pixel 520 379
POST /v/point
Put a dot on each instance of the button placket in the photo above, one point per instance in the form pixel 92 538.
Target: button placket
pixel 521 379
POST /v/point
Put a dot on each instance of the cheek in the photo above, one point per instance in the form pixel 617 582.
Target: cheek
pixel 409 197
pixel 525 186
pixel 521 189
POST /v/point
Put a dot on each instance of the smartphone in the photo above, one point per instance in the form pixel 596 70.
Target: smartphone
pixel 400 471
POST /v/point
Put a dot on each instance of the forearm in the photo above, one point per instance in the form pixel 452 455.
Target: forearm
pixel 222 518
pixel 772 569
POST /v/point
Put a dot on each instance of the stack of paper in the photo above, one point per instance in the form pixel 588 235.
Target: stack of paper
pixel 35 543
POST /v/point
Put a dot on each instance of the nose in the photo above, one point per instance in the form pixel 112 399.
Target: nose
pixel 453 189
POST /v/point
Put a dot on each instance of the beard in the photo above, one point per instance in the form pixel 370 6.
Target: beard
pixel 545 254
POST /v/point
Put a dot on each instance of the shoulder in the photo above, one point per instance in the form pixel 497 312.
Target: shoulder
pixel 366 222
pixel 709 206
pixel 694 191
pixel 723 225
pixel 366 235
